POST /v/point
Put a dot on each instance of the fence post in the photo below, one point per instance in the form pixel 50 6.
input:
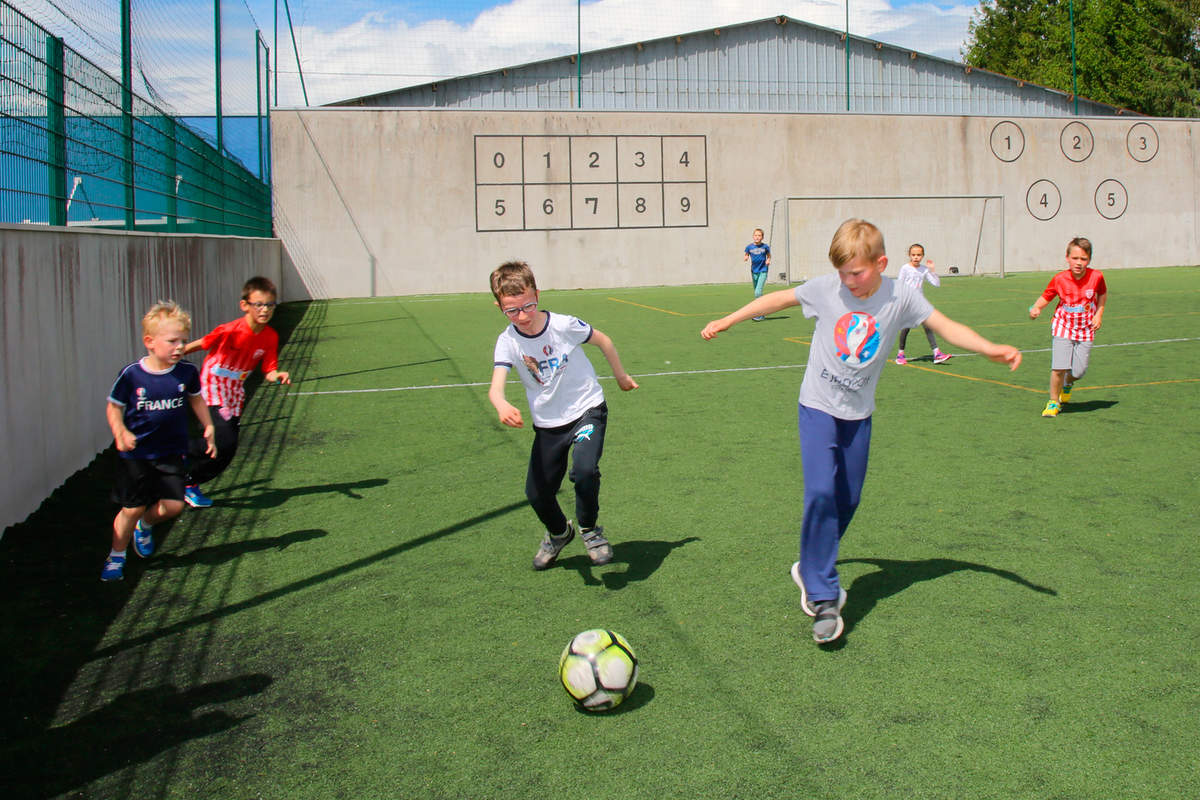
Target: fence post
pixel 127 110
pixel 221 161
pixel 56 138
pixel 172 158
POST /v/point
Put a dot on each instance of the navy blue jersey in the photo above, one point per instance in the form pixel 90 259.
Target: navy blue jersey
pixel 156 406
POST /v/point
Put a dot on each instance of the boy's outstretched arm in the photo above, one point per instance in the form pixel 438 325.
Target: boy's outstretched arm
pixel 624 379
pixel 760 306
pixel 193 346
pixel 960 335
pixel 280 376
pixel 200 409
pixel 510 415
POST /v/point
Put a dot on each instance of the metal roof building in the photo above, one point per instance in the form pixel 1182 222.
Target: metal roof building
pixel 773 65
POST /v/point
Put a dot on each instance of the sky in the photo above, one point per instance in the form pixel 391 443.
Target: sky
pixel 350 48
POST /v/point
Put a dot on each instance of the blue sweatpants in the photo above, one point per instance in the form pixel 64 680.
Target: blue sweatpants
pixel 834 454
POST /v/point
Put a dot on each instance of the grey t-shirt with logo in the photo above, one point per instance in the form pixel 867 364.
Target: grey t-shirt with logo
pixel 852 341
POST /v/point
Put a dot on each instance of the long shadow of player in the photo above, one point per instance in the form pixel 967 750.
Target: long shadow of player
pixel 221 553
pixel 642 557
pixel 131 729
pixel 894 577
pixel 273 497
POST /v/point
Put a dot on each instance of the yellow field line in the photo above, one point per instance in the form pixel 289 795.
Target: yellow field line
pixel 1042 390
pixel 1146 383
pixel 649 308
pixel 797 341
pixel 980 380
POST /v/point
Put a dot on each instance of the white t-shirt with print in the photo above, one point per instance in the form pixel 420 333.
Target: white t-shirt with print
pixel 559 381
pixel 849 345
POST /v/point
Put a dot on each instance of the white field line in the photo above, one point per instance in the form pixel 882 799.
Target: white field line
pixel 602 377
pixel 691 372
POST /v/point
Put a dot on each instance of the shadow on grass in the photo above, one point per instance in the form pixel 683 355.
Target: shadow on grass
pixel 306 583
pixel 642 694
pixel 274 497
pixel 895 576
pixel 315 378
pixel 56 610
pixel 1086 405
pixel 642 558
pixel 130 730
pixel 222 553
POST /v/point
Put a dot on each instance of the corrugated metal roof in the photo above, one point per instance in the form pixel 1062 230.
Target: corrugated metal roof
pixel 772 65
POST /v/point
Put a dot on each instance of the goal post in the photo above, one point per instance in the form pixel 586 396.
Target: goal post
pixel 962 234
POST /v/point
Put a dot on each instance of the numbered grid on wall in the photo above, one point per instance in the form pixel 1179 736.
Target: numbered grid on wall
pixel 536 183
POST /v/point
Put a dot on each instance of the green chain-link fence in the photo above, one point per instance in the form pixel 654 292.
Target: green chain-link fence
pixel 78 147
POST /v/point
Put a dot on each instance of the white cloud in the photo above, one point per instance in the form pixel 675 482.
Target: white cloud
pixel 378 53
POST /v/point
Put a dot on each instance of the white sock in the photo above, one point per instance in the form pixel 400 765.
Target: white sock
pixel 116 553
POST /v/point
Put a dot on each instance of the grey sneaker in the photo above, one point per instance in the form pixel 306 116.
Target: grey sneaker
pixel 827 622
pixel 598 547
pixel 552 546
pixel 804 604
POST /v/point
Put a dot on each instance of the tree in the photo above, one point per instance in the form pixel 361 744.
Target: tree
pixel 1136 54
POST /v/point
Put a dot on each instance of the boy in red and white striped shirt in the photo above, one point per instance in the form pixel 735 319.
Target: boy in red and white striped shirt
pixel 235 349
pixel 1081 294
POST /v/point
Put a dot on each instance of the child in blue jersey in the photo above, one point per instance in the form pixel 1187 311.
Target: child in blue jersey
pixel 858 311
pixel 566 403
pixel 758 253
pixel 146 412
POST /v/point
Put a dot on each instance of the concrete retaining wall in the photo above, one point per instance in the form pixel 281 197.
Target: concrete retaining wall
pixel 72 308
pixel 395 202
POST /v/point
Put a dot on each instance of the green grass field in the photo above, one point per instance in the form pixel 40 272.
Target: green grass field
pixel 357 616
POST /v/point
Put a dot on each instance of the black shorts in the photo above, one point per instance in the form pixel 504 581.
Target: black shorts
pixel 141 482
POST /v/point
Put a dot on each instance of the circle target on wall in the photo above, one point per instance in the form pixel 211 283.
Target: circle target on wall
pixel 1142 142
pixel 1112 199
pixel 1043 200
pixel 1076 141
pixel 1007 141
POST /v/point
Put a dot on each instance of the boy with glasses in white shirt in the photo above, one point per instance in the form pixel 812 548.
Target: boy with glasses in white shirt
pixel 567 405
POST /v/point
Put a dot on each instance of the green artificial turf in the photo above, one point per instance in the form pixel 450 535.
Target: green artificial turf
pixel 356 617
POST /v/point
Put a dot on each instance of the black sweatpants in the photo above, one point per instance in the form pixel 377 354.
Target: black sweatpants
pixel 584 440
pixel 225 432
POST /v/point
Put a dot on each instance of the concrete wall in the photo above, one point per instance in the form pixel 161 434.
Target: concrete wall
pixel 72 308
pixel 394 202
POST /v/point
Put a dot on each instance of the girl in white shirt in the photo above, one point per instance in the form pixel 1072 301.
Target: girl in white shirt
pixel 914 273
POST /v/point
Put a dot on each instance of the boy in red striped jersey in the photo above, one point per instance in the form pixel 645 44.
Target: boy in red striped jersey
pixel 235 349
pixel 1081 294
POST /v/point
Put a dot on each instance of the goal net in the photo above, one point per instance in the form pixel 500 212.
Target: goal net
pixel 962 234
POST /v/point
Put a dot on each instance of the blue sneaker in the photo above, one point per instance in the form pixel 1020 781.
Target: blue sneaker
pixel 143 540
pixel 114 569
pixel 195 498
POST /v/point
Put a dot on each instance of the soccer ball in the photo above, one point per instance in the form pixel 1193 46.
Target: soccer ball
pixel 598 669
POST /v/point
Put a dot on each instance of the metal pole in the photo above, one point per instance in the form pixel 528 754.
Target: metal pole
pixel 56 134
pixel 276 25
pixel 1074 74
pixel 258 92
pixel 847 55
pixel 288 10
pixel 127 110
pixel 217 40
pixel 579 53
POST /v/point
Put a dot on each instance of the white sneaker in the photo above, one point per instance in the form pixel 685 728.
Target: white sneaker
pixel 804 604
